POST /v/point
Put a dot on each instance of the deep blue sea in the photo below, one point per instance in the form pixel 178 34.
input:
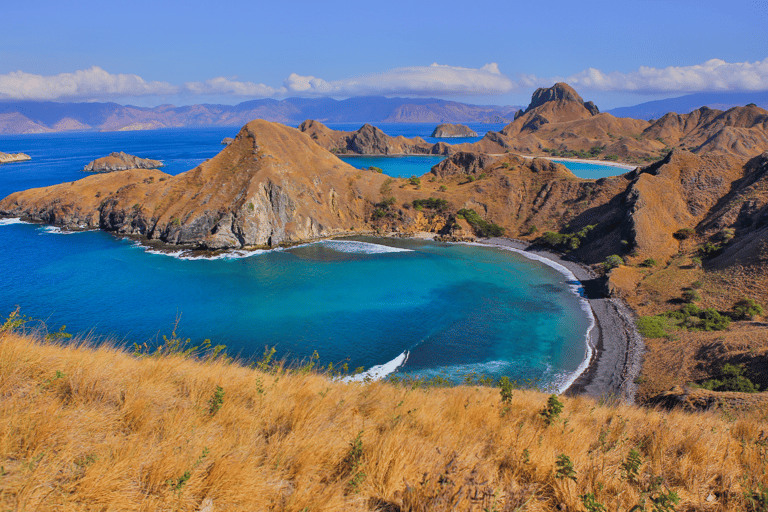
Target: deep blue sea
pixel 431 308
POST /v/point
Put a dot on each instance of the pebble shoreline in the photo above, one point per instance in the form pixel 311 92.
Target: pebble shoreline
pixel 617 345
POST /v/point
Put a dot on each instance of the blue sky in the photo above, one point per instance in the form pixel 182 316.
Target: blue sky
pixel 150 52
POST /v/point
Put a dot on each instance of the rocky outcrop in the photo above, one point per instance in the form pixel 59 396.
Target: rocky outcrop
pixel 120 162
pixel 6 158
pixel 447 130
pixel 368 140
pixel 226 141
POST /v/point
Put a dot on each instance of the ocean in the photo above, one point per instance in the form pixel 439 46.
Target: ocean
pixel 416 308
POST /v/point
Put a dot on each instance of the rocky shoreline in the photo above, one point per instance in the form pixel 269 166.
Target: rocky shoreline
pixel 617 346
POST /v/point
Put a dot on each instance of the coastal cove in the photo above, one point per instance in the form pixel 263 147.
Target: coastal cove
pixel 455 309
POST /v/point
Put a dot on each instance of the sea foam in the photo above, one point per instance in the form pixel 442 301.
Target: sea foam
pixel 380 371
pixel 8 222
pixel 351 246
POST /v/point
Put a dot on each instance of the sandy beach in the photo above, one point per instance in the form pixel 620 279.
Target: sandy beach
pixel 617 346
pixel 610 163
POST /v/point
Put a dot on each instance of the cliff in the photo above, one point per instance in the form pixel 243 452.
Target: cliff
pixel 120 162
pixel 447 130
pixel 6 158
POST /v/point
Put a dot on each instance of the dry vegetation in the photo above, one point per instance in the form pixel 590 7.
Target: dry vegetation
pixel 85 428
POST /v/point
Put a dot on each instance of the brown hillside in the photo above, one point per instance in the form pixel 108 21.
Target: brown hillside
pixel 97 429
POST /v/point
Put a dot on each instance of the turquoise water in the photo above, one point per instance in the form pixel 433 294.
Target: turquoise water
pixel 454 309
pixel 396 166
pixel 592 171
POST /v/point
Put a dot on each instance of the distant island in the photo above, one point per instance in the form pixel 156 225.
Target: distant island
pixel 7 158
pixel 447 130
pixel 121 161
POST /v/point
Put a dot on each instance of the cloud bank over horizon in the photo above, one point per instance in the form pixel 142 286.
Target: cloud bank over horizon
pixel 96 84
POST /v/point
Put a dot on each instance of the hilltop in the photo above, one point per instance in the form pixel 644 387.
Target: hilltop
pixel 89 428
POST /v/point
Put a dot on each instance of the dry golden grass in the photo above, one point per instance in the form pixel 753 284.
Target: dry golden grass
pixel 86 428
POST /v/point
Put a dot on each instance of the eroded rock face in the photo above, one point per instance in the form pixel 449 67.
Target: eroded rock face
pixel 447 130
pixel 558 92
pixel 6 158
pixel 121 161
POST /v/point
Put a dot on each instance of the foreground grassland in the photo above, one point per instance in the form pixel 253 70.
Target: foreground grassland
pixel 85 428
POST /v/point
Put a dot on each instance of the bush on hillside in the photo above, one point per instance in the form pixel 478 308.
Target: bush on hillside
pixel 732 378
pixel 747 309
pixel 479 225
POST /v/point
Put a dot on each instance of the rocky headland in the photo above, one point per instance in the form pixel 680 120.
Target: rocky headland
pixel 447 130
pixel 7 158
pixel 121 161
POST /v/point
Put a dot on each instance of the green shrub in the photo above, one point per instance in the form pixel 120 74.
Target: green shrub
pixel 649 262
pixel 612 157
pixel 684 234
pixel 505 390
pixel 747 309
pixel 652 326
pixel 431 203
pixel 564 468
pixel 552 411
pixel 376 169
pixel 709 249
pixel 442 188
pixel 731 379
pixel 532 230
pixel 415 181
pixel 565 242
pixel 691 296
pixel 613 261
pixel 713 320
pixel 479 225
pixel 216 401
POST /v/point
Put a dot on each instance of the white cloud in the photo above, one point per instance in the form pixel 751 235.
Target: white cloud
pixel 226 87
pixel 431 80
pixel 713 75
pixel 85 84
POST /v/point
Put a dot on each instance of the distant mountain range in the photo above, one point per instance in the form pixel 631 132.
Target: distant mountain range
pixel 690 102
pixel 43 117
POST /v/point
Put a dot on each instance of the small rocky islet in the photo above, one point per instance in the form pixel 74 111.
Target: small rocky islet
pixel 7 158
pixel 447 131
pixel 121 161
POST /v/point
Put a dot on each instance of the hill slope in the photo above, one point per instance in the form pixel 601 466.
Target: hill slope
pixel 91 428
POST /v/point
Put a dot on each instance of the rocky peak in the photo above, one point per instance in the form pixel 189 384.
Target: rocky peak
pixel 558 92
